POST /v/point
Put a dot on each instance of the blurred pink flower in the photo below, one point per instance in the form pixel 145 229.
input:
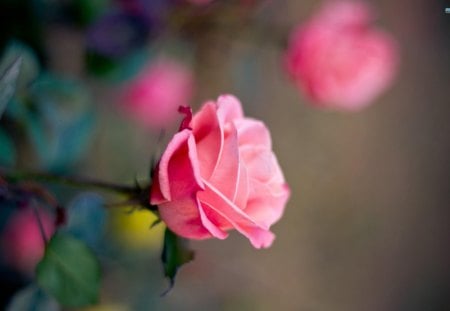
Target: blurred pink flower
pixel 219 173
pixel 153 97
pixel 339 59
pixel 22 242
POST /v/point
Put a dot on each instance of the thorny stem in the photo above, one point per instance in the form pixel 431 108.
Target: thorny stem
pixel 136 194
pixel 74 181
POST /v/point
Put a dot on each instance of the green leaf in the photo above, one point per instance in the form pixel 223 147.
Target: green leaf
pixel 175 254
pixel 69 271
pixel 8 83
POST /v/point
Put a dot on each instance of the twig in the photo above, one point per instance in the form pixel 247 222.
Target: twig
pixel 73 181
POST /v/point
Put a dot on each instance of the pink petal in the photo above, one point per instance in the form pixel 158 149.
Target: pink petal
pixel 252 132
pixel 260 162
pixel 240 196
pixel 225 177
pixel 212 221
pixel 258 237
pixel 223 205
pixel 266 203
pixel 178 172
pixel 209 138
pixel 258 234
pixel 229 108
pixel 183 217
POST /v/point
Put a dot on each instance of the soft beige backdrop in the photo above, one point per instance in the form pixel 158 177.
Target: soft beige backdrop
pixel 367 225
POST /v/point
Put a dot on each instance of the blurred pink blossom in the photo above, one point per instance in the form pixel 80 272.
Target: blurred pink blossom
pixel 22 243
pixel 339 59
pixel 153 97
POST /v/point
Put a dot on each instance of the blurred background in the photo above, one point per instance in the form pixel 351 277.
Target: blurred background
pixel 367 225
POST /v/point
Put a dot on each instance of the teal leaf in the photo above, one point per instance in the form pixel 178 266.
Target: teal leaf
pixel 175 254
pixel 7 149
pixel 60 128
pixel 29 69
pixel 69 272
pixel 86 217
pixel 8 82
pixel 32 298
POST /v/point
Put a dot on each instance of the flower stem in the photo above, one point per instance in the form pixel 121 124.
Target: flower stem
pixel 41 226
pixel 73 181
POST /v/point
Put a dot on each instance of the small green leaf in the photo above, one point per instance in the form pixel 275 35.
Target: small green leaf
pixel 8 81
pixel 175 254
pixel 69 271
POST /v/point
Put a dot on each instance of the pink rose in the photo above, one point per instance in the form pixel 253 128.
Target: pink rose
pixel 219 173
pixel 22 242
pixel 339 59
pixel 154 96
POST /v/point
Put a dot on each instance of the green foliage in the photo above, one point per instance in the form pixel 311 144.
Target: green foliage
pixel 117 70
pixel 7 149
pixel 86 218
pixel 55 113
pixel 8 82
pixel 100 66
pixel 32 298
pixel 69 271
pixel 29 67
pixel 61 121
pixel 87 11
pixel 175 254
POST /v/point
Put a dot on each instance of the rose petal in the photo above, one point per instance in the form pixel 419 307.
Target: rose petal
pixel 183 217
pixel 260 162
pixel 209 138
pixel 229 108
pixel 258 236
pixel 215 223
pixel 225 177
pixel 224 206
pixel 240 196
pixel 253 132
pixel 265 205
pixel 178 170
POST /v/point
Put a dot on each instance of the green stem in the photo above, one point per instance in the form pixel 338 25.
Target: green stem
pixel 73 181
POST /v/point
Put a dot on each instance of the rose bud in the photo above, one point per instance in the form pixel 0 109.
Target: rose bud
pixel 339 59
pixel 219 173
pixel 22 242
